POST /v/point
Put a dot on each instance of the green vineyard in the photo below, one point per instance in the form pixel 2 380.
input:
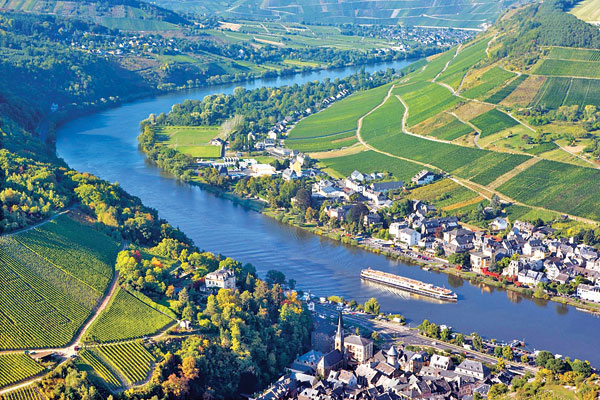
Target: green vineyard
pixel 130 359
pixel 115 323
pixel 46 276
pixel 26 393
pixel 99 368
pixel 17 367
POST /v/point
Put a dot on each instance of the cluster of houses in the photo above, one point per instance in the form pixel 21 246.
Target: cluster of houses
pixel 404 37
pixel 359 187
pixel 235 168
pixel 346 367
pixel 124 44
pixel 534 255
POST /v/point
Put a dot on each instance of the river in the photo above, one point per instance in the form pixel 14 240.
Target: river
pixel 105 144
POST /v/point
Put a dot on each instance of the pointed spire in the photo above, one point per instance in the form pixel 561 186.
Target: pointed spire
pixel 339 335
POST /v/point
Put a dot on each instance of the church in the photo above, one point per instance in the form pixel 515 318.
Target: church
pixel 352 349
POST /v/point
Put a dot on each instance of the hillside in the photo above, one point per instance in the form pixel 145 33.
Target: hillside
pixel 114 14
pixel 512 113
pixel 465 14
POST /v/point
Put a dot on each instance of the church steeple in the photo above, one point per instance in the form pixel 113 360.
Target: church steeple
pixel 339 335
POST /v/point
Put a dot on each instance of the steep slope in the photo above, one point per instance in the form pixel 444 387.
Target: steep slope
pixel 513 113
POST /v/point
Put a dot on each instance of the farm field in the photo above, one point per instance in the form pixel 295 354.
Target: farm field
pixel 131 359
pixel 46 296
pixel 569 68
pixel 505 91
pixel 371 161
pixel 466 58
pixel 488 81
pixel 444 193
pixel 557 91
pixel 114 323
pixel 191 140
pixel 16 367
pixel 525 92
pixel 567 53
pixel 557 186
pixel 342 116
pixel 587 10
pixel 493 121
pixel 435 65
pixel 26 393
pixel 424 100
pixel 326 143
pixel 99 368
pixel 442 126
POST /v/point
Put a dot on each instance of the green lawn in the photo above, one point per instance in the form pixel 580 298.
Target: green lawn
pixel 187 135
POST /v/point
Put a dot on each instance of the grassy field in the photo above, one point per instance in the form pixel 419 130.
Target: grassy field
pixel 444 193
pixel 191 140
pixel 116 322
pixel 587 10
pixel 493 121
pixel 487 82
pixel 130 359
pixel 17 367
pixel 46 293
pixel 425 100
pixel 340 117
pixel 557 186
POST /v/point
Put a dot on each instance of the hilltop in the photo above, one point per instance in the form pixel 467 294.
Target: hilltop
pixel 452 14
pixel 511 113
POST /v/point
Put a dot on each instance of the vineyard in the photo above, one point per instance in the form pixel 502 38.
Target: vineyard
pixel 505 91
pixel 557 91
pixel 582 69
pixel 465 59
pixel 17 367
pixel 130 359
pixel 99 368
pixel 424 100
pixel 74 248
pixel 493 121
pixel 370 161
pixel 26 393
pixel 488 81
pixel 118 321
pixel 565 53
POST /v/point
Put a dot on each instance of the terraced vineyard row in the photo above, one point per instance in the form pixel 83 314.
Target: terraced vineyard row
pixel 33 313
pixel 131 359
pixel 115 322
pixel 26 393
pixel 75 248
pixel 99 368
pixel 17 367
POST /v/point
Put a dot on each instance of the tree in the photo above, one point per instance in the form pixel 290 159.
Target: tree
pixel 582 367
pixel 460 339
pixel 525 359
pixel 303 199
pixel 357 212
pixel 462 259
pixel 445 335
pixel 543 357
pixel 275 277
pixel 188 368
pixel 372 306
pixel 497 390
pixel 310 214
pixel 507 352
pixel 477 341
pixel 556 365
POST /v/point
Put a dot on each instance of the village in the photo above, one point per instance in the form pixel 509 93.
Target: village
pixel 347 366
pixel 517 252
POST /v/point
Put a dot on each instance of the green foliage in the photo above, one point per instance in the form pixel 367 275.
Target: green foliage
pixel 372 306
pixel 27 392
pixel 461 259
pixel 101 370
pixel 424 100
pixel 468 57
pixel 490 80
pixel 582 69
pixel 117 321
pixel 17 367
pixel 451 131
pixel 429 329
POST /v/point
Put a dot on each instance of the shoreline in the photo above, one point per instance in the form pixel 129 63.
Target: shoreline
pixel 474 279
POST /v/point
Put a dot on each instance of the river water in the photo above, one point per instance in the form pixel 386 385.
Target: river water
pixel 105 144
